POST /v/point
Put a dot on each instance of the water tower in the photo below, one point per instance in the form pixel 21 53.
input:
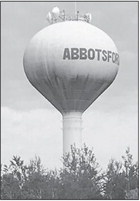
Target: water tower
pixel 71 63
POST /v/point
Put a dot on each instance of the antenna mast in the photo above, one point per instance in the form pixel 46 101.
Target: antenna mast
pixel 75 5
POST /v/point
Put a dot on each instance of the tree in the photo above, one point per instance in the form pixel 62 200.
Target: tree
pixel 13 179
pixel 80 177
pixel 10 187
pixel 115 182
pixel 28 182
pixel 131 175
pixel 121 179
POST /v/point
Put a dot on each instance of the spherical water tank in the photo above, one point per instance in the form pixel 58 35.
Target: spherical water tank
pixel 71 63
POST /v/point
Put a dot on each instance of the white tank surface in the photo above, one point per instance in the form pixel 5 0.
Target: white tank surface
pixel 71 63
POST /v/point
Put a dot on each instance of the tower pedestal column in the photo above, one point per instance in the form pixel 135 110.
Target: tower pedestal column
pixel 72 130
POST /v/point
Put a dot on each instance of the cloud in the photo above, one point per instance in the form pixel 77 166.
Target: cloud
pixel 29 133
pixel 110 133
pixel 40 132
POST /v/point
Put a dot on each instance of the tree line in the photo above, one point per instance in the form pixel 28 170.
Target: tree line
pixel 80 178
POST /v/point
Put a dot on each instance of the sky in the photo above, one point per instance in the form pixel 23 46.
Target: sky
pixel 30 125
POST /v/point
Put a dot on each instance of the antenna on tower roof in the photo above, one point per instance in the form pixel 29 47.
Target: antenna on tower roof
pixel 88 17
pixel 56 12
pixel 49 18
pixel 56 15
